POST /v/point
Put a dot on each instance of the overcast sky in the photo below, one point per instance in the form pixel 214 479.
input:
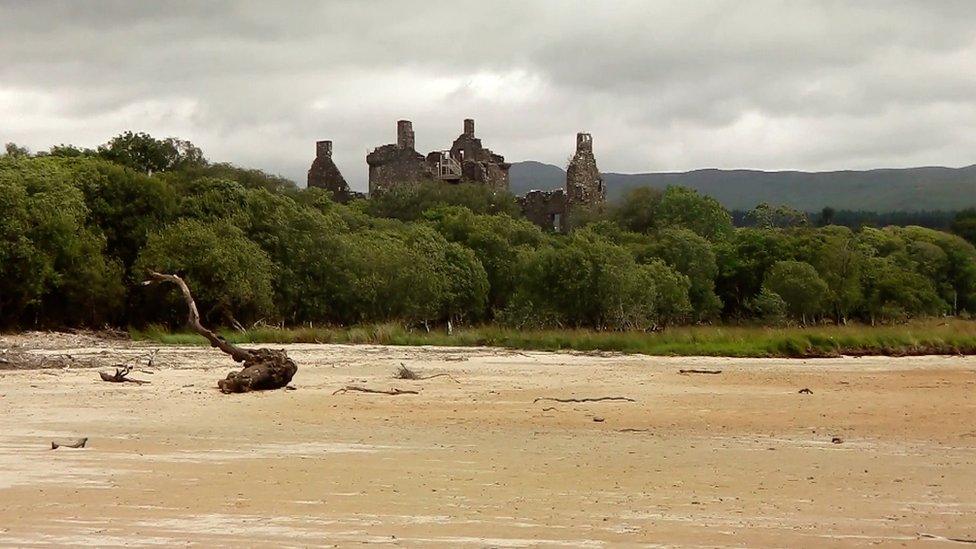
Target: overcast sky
pixel 663 86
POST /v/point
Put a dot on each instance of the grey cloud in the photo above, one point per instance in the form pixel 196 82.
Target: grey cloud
pixel 662 85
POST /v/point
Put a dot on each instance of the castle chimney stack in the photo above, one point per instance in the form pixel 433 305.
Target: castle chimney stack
pixel 405 137
pixel 469 127
pixel 584 143
pixel 323 149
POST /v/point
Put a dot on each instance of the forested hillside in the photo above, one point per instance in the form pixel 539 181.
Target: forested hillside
pixel 80 228
pixel 884 190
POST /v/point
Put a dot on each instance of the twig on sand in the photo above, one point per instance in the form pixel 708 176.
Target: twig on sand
pixel 120 376
pixel 393 391
pixel 699 371
pixel 943 538
pixel 406 373
pixel 595 399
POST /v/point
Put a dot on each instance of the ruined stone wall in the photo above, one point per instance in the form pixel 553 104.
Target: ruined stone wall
pixel 324 174
pixel 400 163
pixel 395 164
pixel 479 164
pixel 390 166
pixel 584 184
pixel 547 209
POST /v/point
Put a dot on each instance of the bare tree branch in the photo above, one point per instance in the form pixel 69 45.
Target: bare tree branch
pixel 263 368
pixel 193 318
pixel 393 391
pixel 596 399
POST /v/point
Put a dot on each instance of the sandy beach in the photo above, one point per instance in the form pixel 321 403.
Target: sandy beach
pixel 881 451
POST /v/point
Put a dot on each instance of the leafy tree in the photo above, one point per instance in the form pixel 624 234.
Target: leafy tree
pixel 892 292
pixel 14 150
pixel 800 287
pixel 742 261
pixel 409 202
pixel 839 262
pixel 381 277
pixel 464 282
pixel 588 281
pixel 144 153
pixel 692 256
pixel 681 207
pixel 68 151
pixel 964 224
pixel 212 199
pixel 672 303
pixel 767 307
pixel 765 216
pixel 303 243
pixel 127 206
pixel 53 270
pixel 583 215
pixel 953 271
pixel 248 178
pixel 497 241
pixel 231 276
pixel 827 215
pixel 638 210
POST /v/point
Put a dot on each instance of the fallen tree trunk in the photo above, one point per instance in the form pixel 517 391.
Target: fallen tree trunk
pixel 263 368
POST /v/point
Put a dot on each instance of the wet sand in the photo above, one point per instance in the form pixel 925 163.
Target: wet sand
pixel 735 459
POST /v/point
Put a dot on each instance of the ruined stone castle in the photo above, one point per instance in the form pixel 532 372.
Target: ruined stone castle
pixel 584 188
pixel 466 161
pixel 324 174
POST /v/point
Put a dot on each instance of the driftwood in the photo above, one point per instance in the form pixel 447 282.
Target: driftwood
pixel 72 443
pixel 263 368
pixel 393 391
pixel 406 373
pixel 596 399
pixel 699 371
pixel 120 376
pixel 943 538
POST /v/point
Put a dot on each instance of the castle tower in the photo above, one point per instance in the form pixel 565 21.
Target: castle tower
pixel 323 149
pixel 405 137
pixel 324 174
pixel 397 163
pixel 584 184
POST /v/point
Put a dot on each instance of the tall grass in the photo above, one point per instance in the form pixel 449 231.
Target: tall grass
pixel 941 336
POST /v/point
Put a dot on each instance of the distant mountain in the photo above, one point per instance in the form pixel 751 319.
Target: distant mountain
pixel 882 190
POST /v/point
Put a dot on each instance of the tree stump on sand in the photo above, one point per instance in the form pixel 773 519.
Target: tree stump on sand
pixel 266 369
pixel 263 368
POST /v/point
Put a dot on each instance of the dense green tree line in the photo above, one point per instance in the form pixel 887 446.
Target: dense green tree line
pixel 79 228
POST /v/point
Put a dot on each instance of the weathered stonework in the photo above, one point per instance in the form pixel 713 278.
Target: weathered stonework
pixel 584 184
pixel 546 209
pixel 466 161
pixel 325 175
pixel 399 163
pixel 584 187
pixel 479 164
